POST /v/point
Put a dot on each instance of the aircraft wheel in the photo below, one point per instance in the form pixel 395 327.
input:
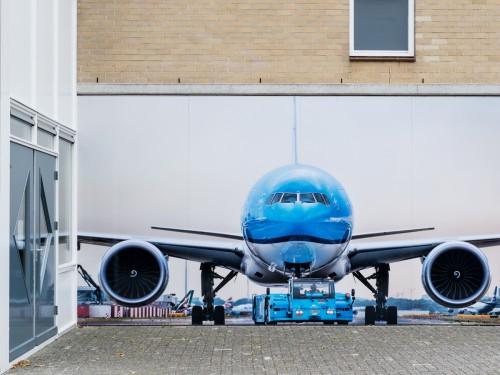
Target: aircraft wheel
pixel 392 315
pixel 197 316
pixel 370 315
pixel 219 318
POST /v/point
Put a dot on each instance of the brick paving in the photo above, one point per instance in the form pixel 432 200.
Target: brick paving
pixel 281 349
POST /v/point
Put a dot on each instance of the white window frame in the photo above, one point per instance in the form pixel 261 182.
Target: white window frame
pixel 68 135
pixel 378 53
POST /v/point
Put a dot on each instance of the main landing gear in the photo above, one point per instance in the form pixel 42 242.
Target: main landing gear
pixel 380 312
pixel 210 312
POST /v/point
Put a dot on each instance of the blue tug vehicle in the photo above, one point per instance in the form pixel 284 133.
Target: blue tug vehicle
pixel 308 300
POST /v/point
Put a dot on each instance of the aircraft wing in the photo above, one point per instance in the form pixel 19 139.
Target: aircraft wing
pixel 221 253
pixel 369 254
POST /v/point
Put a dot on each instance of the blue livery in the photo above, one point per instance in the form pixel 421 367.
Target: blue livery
pixel 296 223
pixel 308 300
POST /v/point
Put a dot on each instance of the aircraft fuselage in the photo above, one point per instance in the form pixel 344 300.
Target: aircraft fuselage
pixel 297 220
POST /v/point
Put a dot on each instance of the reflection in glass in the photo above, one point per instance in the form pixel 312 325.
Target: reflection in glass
pixel 22 239
pixel 65 188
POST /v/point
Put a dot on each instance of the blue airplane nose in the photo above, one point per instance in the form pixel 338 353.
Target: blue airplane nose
pixel 298 253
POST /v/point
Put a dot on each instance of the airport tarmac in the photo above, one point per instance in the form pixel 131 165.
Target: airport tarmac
pixel 281 349
pixel 241 321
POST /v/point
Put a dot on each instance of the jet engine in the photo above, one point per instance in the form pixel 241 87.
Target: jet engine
pixel 456 274
pixel 134 273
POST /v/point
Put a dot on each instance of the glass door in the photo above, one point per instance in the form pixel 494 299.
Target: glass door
pixel 32 249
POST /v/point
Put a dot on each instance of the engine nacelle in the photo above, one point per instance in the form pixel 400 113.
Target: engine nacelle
pixel 456 274
pixel 133 273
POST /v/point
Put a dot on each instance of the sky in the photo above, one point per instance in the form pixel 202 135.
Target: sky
pixel 189 162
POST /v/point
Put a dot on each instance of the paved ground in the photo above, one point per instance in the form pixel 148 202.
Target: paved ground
pixel 282 349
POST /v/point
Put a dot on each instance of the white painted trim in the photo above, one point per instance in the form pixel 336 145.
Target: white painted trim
pixel 32 146
pixel 411 36
pixel 96 89
pixel 66 267
pixel 4 185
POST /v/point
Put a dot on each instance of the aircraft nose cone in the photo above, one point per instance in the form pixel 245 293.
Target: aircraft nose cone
pixel 298 252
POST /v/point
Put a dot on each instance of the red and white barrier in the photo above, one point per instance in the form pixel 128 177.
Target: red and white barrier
pixel 139 312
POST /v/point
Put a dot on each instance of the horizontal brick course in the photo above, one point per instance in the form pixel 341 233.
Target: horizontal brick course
pixel 301 41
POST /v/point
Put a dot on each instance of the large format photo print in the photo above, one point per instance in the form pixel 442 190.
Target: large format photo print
pixel 398 192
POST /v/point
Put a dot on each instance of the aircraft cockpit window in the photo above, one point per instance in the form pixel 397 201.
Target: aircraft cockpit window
pixel 307 198
pixel 269 200
pixel 319 198
pixel 297 197
pixel 289 198
pixel 327 201
pixel 276 198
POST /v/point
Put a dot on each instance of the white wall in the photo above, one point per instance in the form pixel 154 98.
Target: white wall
pixel 38 69
pixel 4 188
pixel 41 55
pixel 190 161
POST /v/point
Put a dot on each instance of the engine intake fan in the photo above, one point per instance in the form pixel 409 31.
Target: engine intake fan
pixel 134 273
pixel 456 274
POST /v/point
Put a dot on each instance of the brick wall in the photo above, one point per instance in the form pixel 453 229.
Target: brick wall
pixel 276 41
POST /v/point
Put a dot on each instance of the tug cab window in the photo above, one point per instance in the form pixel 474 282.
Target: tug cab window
pixel 313 289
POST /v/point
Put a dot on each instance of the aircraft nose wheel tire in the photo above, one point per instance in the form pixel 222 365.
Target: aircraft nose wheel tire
pixel 219 316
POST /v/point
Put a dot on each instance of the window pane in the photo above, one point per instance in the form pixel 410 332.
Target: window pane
pixel 45 139
pixel 327 201
pixel 289 198
pixel 381 25
pixel 20 129
pixel 307 198
pixel 65 189
pixel 277 198
pixel 269 199
pixel 319 198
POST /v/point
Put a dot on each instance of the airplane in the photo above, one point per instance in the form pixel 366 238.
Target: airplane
pixel 297 221
pixel 481 308
pixel 495 313
pixel 184 306
pixel 229 303
pixel 244 309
